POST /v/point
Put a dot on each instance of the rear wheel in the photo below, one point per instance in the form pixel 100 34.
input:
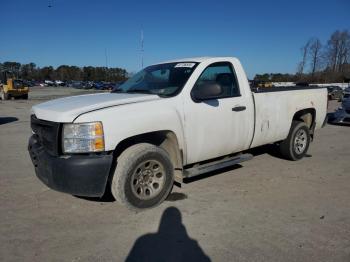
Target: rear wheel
pixel 295 146
pixel 25 96
pixel 143 177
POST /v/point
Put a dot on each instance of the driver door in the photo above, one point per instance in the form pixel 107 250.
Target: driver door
pixel 212 127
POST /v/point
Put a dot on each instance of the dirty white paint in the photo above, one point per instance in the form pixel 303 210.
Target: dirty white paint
pixel 278 108
pixel 204 130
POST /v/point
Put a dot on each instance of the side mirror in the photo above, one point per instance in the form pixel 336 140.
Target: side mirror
pixel 206 91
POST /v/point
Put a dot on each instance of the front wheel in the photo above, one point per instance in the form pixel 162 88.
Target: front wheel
pixel 295 146
pixel 143 177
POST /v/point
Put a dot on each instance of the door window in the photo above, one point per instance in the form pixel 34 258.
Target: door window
pixel 222 74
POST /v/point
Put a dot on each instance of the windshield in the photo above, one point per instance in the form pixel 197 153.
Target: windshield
pixel 163 79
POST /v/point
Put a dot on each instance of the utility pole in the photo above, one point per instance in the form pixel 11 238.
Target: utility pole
pixel 107 76
pixel 106 60
pixel 142 50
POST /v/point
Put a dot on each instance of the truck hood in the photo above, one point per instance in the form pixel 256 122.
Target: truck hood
pixel 65 110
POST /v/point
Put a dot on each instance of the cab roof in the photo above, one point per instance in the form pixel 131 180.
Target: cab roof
pixel 196 59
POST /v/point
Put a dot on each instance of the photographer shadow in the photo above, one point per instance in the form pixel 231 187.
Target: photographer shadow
pixel 170 243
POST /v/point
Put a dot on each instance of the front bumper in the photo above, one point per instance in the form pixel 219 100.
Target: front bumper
pixel 81 175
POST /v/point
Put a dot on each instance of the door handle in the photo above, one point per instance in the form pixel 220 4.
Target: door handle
pixel 239 108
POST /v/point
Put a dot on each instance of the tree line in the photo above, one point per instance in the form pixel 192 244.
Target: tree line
pixel 320 62
pixel 64 72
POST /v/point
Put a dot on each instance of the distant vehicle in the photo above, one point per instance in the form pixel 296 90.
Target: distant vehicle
pixel 97 85
pixel 76 84
pixel 260 84
pixel 346 93
pixel 116 85
pixel 69 83
pixel 59 83
pixel 40 83
pixel 49 83
pixel 15 88
pixel 335 93
pixel 80 84
pixel 170 121
pixel 342 115
pixel 29 83
pixel 108 86
pixel 302 84
pixel 89 85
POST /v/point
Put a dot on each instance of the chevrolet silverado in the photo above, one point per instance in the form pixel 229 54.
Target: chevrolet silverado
pixel 170 121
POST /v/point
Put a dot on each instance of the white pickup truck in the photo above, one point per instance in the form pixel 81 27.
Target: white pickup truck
pixel 170 121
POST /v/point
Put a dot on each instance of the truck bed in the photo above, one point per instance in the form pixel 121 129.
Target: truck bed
pixel 275 108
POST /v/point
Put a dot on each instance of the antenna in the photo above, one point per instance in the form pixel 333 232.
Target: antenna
pixel 142 50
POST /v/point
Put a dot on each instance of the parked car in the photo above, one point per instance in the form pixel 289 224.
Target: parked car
pixel 49 83
pixel 346 93
pixel 84 85
pixel 97 85
pixel 59 83
pixel 108 86
pixel 335 93
pixel 342 115
pixel 39 83
pixel 103 85
pixel 173 120
pixel 116 85
pixel 29 83
pixel 89 85
pixel 76 84
pixel 302 84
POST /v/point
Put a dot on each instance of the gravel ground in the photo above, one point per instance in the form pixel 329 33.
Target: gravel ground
pixel 266 209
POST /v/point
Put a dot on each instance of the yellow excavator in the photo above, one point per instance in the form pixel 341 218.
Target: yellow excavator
pixel 265 84
pixel 13 87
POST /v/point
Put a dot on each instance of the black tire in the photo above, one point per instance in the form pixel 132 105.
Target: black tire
pixel 290 148
pixel 25 97
pixel 130 193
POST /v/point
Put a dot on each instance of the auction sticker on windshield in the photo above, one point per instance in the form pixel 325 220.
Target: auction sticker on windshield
pixel 190 65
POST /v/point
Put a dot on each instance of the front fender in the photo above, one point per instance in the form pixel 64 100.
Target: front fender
pixel 124 121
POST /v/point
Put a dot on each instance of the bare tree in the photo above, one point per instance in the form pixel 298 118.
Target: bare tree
pixel 338 50
pixel 333 50
pixel 344 46
pixel 305 51
pixel 315 54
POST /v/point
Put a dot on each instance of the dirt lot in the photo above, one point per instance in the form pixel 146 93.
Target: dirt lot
pixel 267 209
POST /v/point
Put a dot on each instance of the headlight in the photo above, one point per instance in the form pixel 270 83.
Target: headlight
pixel 83 138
